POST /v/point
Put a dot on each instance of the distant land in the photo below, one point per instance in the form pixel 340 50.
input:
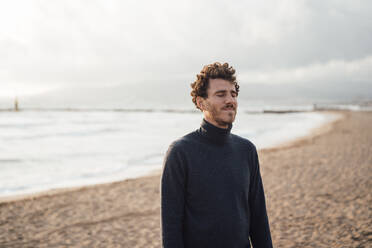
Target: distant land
pixel 177 96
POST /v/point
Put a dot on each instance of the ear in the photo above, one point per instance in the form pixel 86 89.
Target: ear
pixel 200 102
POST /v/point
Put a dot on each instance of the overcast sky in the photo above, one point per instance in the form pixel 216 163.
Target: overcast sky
pixel 65 45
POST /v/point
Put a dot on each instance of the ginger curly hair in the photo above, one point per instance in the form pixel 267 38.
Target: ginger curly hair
pixel 212 71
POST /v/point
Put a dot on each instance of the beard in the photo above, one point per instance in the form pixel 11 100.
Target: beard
pixel 220 116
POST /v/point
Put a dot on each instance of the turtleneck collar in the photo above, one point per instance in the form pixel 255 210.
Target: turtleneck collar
pixel 214 134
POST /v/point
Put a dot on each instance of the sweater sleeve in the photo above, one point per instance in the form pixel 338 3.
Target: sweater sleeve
pixel 259 226
pixel 173 198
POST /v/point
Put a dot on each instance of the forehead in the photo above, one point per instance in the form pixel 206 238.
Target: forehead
pixel 218 84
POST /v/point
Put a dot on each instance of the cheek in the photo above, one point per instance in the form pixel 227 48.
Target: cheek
pixel 219 102
pixel 211 108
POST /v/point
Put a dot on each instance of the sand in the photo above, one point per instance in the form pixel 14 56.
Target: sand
pixel 318 193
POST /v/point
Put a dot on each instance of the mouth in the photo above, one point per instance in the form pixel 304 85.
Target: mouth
pixel 228 109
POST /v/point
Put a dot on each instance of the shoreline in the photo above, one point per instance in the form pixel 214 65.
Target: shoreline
pixel 58 191
pixel 313 133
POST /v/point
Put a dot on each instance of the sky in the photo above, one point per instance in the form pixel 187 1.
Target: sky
pixel 111 52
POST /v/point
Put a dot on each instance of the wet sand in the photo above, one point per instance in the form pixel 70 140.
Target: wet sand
pixel 318 193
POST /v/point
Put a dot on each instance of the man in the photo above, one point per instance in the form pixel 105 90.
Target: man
pixel 211 189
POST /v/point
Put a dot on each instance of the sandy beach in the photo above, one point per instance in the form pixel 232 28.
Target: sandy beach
pixel 318 194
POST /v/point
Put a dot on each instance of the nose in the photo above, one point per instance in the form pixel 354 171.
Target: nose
pixel 230 99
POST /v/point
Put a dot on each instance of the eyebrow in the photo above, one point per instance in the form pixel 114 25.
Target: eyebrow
pixel 224 91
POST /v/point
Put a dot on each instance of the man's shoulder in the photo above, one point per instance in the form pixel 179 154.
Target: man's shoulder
pixel 246 143
pixel 184 142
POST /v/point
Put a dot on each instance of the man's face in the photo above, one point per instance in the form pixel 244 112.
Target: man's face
pixel 221 104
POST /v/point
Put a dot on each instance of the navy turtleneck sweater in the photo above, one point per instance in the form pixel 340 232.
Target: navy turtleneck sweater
pixel 212 193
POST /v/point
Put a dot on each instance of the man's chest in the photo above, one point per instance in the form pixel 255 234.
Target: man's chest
pixel 216 174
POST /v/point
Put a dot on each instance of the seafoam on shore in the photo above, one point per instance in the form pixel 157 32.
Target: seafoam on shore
pixel 44 150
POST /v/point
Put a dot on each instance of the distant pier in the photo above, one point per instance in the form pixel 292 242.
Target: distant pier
pixel 16 107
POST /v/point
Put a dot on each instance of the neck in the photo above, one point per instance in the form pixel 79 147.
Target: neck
pixel 214 123
pixel 214 133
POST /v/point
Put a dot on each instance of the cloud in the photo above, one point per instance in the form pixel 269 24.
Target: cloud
pixel 74 44
pixel 359 70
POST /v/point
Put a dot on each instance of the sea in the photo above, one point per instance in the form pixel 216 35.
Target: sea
pixel 60 148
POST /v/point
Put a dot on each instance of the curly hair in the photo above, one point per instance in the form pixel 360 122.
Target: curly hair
pixel 212 71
